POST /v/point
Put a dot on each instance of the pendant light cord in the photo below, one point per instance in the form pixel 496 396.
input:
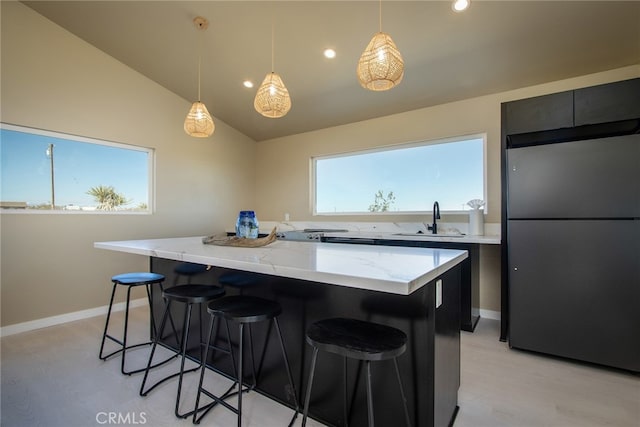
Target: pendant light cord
pixel 380 14
pixel 199 63
pixel 273 48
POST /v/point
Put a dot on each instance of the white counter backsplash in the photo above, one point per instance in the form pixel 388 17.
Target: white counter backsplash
pixel 491 230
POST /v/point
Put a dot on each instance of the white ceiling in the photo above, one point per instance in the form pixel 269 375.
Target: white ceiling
pixel 494 46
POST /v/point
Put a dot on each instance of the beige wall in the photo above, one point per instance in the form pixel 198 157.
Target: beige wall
pixel 283 171
pixel 53 80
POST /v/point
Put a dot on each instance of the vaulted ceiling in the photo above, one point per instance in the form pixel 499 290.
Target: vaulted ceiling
pixel 493 46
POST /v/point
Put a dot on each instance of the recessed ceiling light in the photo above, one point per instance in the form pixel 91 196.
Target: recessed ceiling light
pixel 460 5
pixel 329 53
pixel 247 84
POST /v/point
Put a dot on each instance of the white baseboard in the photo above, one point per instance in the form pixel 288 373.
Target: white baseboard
pixel 68 317
pixel 489 314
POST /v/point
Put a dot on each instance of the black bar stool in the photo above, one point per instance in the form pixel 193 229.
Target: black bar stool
pixel 240 280
pixel 242 310
pixel 131 280
pixel 360 340
pixel 189 295
pixel 189 270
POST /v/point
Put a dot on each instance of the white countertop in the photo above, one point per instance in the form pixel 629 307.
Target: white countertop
pixel 397 270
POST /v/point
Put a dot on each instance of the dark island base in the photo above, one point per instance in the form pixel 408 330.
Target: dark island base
pixel 430 368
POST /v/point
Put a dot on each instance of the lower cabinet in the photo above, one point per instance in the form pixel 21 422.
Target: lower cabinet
pixel 574 289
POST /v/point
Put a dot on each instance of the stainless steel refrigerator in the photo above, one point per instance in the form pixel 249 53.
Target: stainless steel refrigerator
pixel 573 213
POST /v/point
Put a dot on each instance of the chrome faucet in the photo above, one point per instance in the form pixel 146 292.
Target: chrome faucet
pixel 436 216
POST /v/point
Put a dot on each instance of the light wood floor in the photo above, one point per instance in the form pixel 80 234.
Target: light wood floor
pixel 53 377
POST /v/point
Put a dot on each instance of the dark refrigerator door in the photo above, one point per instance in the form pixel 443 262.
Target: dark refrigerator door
pixel 597 178
pixel 575 289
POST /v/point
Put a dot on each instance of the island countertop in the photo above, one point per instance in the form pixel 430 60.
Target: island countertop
pixel 396 270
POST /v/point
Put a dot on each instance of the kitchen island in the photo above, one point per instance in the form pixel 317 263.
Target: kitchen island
pixel 414 289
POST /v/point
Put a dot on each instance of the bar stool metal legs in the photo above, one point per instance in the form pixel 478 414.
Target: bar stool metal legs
pixel 183 349
pixel 307 397
pixel 241 310
pixel 360 340
pixel 190 295
pixel 131 280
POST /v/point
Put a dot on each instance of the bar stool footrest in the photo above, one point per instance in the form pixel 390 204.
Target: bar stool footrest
pixel 144 393
pixel 120 350
pixel 221 400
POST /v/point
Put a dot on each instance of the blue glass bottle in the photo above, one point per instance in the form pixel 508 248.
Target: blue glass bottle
pixel 247 225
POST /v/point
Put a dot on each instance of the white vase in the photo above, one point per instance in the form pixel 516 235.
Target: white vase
pixel 476 222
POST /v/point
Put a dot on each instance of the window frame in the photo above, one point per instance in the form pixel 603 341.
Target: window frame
pixel 420 143
pixel 151 163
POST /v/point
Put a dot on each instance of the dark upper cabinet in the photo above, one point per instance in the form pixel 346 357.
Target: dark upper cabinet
pixel 607 103
pixel 541 113
pixel 595 105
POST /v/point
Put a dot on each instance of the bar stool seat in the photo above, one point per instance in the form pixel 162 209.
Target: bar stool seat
pixel 240 280
pixel 242 310
pixel 189 294
pixel 245 309
pixel 193 294
pixel 360 340
pixel 130 280
pixel 138 278
pixel 189 270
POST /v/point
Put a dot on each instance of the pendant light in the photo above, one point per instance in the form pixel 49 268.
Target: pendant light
pixel 272 99
pixel 198 122
pixel 381 66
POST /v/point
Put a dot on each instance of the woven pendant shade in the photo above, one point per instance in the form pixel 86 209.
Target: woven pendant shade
pixel 199 122
pixel 380 66
pixel 272 99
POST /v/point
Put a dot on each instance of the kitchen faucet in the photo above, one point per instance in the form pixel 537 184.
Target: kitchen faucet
pixel 436 216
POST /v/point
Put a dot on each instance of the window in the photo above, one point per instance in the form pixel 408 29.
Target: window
pixel 49 171
pixel 401 179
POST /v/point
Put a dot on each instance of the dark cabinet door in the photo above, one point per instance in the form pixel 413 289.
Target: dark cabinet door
pixel 608 103
pixel 574 289
pixel 598 178
pixel 546 112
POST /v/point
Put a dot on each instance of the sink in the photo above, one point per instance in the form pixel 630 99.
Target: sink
pixel 429 235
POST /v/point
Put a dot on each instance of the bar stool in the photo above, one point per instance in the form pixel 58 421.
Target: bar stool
pixel 240 280
pixel 189 270
pixel 187 294
pixel 242 310
pixel 131 280
pixel 360 340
